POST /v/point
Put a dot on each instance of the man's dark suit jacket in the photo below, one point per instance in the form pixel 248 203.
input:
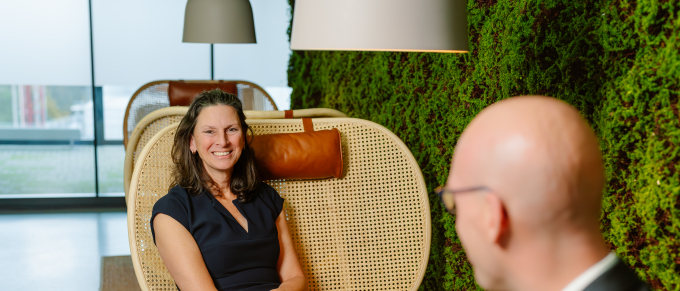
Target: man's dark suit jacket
pixel 618 278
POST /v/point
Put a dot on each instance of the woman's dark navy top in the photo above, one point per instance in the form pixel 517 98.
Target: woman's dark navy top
pixel 236 259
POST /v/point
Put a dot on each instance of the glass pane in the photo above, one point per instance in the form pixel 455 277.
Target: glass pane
pixel 136 42
pixel 146 47
pixel 45 42
pixel 110 163
pixel 264 63
pixel 115 100
pixel 46 135
pixel 46 112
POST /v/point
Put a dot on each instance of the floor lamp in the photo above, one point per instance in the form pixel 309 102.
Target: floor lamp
pixel 218 21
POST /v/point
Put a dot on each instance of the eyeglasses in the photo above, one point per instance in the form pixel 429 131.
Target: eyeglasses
pixel 446 195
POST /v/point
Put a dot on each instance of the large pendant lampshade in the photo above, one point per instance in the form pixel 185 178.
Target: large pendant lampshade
pixel 219 21
pixel 380 25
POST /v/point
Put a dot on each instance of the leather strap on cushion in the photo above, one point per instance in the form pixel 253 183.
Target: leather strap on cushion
pixel 307 124
pixel 181 93
pixel 300 155
pixel 288 114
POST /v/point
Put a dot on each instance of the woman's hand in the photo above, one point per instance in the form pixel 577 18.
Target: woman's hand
pixel 293 284
pixel 290 270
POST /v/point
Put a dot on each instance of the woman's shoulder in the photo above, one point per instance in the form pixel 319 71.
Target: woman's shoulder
pixel 174 204
pixel 270 197
pixel 266 191
pixel 176 195
pixel 265 187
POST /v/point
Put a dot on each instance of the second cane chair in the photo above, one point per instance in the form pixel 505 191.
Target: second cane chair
pixel 154 95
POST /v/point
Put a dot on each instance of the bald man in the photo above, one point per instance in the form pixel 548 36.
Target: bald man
pixel 526 186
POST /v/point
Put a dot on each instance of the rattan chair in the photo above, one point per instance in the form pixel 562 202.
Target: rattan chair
pixel 159 119
pixel 154 95
pixel 369 230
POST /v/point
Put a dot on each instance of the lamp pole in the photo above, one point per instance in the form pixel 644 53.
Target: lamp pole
pixel 95 105
pixel 212 62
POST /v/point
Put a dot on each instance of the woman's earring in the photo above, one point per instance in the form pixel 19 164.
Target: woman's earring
pixel 193 152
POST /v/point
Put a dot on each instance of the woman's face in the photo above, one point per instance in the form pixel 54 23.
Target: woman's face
pixel 218 139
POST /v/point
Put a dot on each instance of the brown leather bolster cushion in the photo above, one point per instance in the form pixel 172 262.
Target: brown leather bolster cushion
pixel 181 93
pixel 300 155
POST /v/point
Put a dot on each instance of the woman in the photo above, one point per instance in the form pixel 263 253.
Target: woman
pixel 219 227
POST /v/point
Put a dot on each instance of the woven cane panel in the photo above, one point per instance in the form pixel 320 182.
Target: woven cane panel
pixel 148 100
pixel 153 184
pixel 260 101
pixel 366 231
pixel 151 130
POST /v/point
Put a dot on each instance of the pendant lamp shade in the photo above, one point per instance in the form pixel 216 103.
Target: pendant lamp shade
pixel 219 21
pixel 380 25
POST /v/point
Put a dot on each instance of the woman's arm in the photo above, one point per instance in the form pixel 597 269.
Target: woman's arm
pixel 181 255
pixel 290 270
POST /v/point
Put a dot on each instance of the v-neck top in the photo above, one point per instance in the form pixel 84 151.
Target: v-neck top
pixel 236 259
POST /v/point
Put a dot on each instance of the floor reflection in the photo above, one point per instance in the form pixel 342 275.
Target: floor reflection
pixel 58 251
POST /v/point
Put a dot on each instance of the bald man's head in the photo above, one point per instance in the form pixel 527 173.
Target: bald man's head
pixel 541 162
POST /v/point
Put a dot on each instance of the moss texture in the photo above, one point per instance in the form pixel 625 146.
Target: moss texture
pixel 618 61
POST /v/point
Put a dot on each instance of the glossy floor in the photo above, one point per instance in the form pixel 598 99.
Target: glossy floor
pixel 59 251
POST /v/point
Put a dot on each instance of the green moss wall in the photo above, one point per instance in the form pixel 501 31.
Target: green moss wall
pixel 618 61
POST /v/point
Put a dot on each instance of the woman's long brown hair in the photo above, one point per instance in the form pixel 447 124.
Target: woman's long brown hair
pixel 189 171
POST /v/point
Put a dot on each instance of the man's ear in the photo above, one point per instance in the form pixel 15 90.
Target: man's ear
pixel 497 220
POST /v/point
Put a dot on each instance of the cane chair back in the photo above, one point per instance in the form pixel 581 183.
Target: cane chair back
pixel 143 132
pixel 161 118
pixel 369 230
pixel 154 95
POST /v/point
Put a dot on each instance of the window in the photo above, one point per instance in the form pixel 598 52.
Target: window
pixel 263 63
pixel 46 126
pixel 53 119
pixel 136 42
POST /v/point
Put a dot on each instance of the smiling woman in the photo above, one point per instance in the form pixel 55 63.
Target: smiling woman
pixel 218 140
pixel 213 125
pixel 219 227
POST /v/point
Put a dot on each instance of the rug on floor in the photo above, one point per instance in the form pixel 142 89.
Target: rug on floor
pixel 118 274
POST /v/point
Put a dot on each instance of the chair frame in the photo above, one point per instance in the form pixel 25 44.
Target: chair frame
pixel 137 134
